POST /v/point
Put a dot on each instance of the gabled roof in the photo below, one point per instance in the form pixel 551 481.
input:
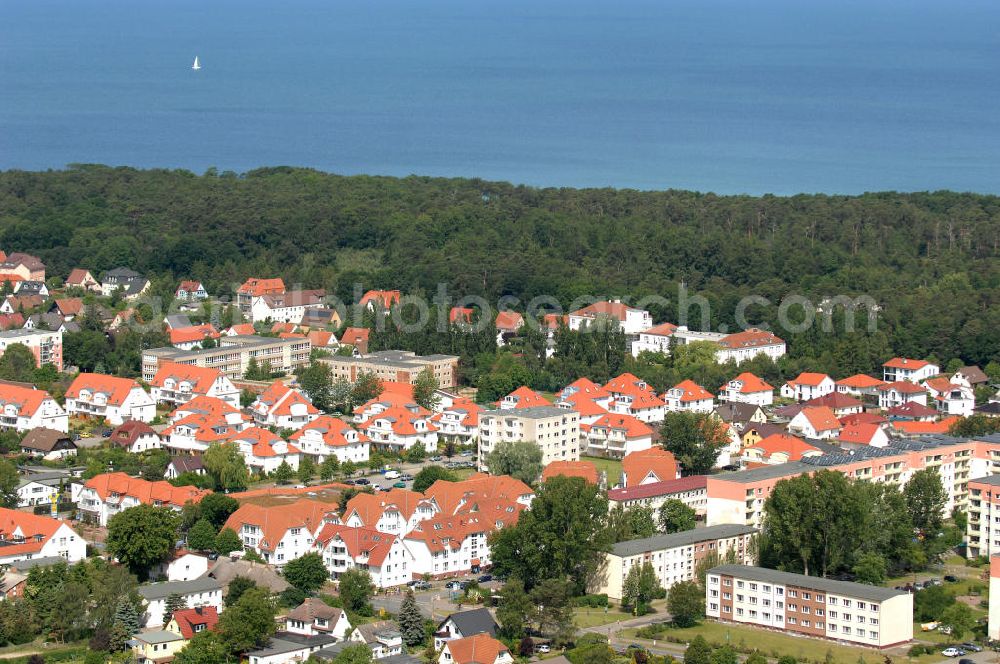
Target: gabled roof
pixel 189 286
pixel 809 379
pixel 330 429
pixel 276 520
pixel 365 545
pixel 637 466
pixel 835 400
pixel 460 314
pixel 633 427
pixel 191 334
pixel 262 442
pixel 508 321
pixel 585 386
pixel 525 397
pixel 940 384
pixel 863 418
pixel 25 533
pixel 278 399
pixel 313 608
pixel 478 649
pixel 974 374
pixel 46 440
pixel 750 384
pixel 130 431
pixel 914 428
pixel 242 329
pixel 146 492
pixel 70 306
pixel 116 389
pixel 385 298
pixel 401 420
pixel 355 336
pixel 859 433
pixel 783 443
pixel 821 418
pixel 369 507
pixel 584 469
pixel 258 287
pixel 77 276
pixel 472 622
pixel 905 363
pixel 189 619
pixel 903 387
pixel 654 489
pixel 584 404
pixel 478 489
pixel 860 382
pixel 911 409
pixel 752 338
pixel 692 391
pixel 26 400
pixel 201 378
pixel 661 330
pixel 608 309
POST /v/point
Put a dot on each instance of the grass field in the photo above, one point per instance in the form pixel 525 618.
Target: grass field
pixel 590 617
pixel 775 644
pixel 611 467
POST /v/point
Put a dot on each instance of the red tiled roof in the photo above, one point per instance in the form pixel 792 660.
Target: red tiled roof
pixel 25 399
pixel 508 321
pixel 331 430
pixel 116 389
pixel 201 378
pixel 460 314
pixel 783 443
pixel 822 418
pixel 903 387
pixel 276 520
pixel 478 649
pixel 925 428
pixel 188 619
pixel 25 533
pixel 692 391
pixel 661 330
pixel 835 400
pixel 905 363
pixel 637 466
pixel 751 338
pixel 526 398
pixel 243 329
pixel 810 379
pixel 130 431
pixel 70 306
pixel 76 276
pixel 859 433
pixel 615 310
pixel 751 383
pixel 144 491
pixel 386 298
pixel 862 418
pixel 188 286
pixel 365 545
pixel 584 469
pixel 860 382
pixel 665 488
pixel 633 428
pixel 911 409
pixel 183 335
pixel 355 336
pixel 259 287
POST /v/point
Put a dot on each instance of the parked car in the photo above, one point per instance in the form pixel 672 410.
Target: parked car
pixel 951 652
pixel 970 647
pixel 435 459
pixel 542 648
pixel 951 578
pixel 349 482
pixel 455 585
pixel 399 485
pixel 932 582
pixel 362 481
pixel 392 474
pixel 485 577
pixel 406 477
pixel 966 660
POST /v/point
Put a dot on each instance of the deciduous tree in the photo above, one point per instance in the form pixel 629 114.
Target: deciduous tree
pixel 307 573
pixel 675 517
pixel 142 536
pixel 521 459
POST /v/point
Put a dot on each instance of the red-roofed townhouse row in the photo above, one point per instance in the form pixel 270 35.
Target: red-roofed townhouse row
pixel 264 450
pixel 177 384
pixel 281 533
pixel 195 425
pixel 633 396
pixel 388 562
pixel 283 407
pixel 105 495
pixel 328 436
pixel 108 397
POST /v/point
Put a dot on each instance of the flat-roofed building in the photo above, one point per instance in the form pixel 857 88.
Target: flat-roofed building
pixel 809 606
pixel 398 366
pixel 45 345
pixel 234 354
pixel 691 490
pixel 675 556
pixel 983 529
pixel 555 430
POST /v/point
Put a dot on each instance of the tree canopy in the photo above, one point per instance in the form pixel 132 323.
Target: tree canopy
pixel 142 536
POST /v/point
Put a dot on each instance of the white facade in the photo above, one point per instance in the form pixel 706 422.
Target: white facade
pixel 198 592
pixel 185 567
pixel 94 402
pixel 48 414
pixel 555 430
pixel 180 391
pixel 808 389
pixel 64 542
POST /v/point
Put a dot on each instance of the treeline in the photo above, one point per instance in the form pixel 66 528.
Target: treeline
pixel 928 259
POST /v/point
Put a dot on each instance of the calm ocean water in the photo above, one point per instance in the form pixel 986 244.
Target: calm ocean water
pixel 729 96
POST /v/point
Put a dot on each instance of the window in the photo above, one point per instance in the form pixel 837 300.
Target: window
pixel 806 623
pixel 805 609
pixel 753 586
pixel 714 593
pixel 819 598
pixel 792 621
pixel 727 595
pixel 727 609
pixel 739 584
pixel 806 595
pixel 873 621
pixel 793 593
pixel 873 635
pixel 779 591
pixel 766 589
pixel 739 597
pixel 753 614
pixel 861 606
pixel 819 625
pixel 832 601
pixel 727 582
pixel 793 607
pixel 739 612
pixel 753 599
pixel 819 612
pixel 713 606
pixel 847 602
pixel 847 616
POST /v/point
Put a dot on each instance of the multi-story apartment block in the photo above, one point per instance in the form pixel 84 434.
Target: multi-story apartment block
pixel 691 490
pixel 283 531
pixel 110 398
pixel 45 345
pixel 739 497
pixel 555 430
pixel 983 529
pixel 674 557
pixel 233 355
pixel 177 384
pixel 398 366
pixel 809 606
pixel 993 625
pixel 103 496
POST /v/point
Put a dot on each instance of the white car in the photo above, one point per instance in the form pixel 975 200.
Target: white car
pixel 542 649
pixel 391 474
pixel 951 652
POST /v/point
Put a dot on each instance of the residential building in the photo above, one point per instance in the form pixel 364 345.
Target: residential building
pixel 950 398
pixel 184 464
pixel 23 267
pixel 630 320
pixel 654 340
pixel 748 344
pixel 129 283
pixel 815 422
pixel 255 287
pixel 459 420
pixel 188 622
pixel 395 365
pixel 983 525
pixel 616 436
pixel 807 386
pixel 45 345
pixel 48 444
pixel 691 490
pixel 399 428
pixel 193 337
pixel 647 466
pixel 383 299
pixel 555 430
pixel 395 512
pixel 328 436
pixel 135 437
pixel 191 290
pixel 478 649
pixel 288 307
pixel 182 565
pixel 906 369
pixel 633 396
pixel 388 562
pixel 41 488
pixel 202 421
pixel 286 647
pixel 109 398
pixel 841 404
pixel 23 288
pixel 523 397
pixel 68 308
pixel 204 592
pixel 688 396
pixel 283 407
pixel 900 392
pixel 281 532
pixel 970 377
pixel 314 616
pixel 232 357
pixel 177 384
pixel 862 434
pixel 747 388
pixel 812 606
pixel 993 620
pixel 105 495
pixel 264 451
pixel 80 278
pixel 356 337
pixel 860 385
pixel 674 557
pixel 585 470
pixel 25 408
pixel 463 624
pixel 27 536
pixel 156 646
pixel 779 448
pixel 382 637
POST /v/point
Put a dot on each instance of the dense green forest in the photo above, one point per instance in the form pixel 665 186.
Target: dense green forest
pixel 929 259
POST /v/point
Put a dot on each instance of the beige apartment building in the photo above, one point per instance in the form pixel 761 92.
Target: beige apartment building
pixel 233 355
pixel 674 556
pixel 983 529
pixel 809 606
pixel 400 366
pixel 555 430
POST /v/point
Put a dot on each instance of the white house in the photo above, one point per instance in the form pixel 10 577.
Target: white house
pixel 815 422
pixel 288 307
pixel 204 591
pixel 191 290
pixel 897 393
pixel 478 649
pixel 328 436
pixel 458 420
pixel 950 398
pixel 135 437
pixel 179 383
pixel 654 340
pixel 283 407
pixel 395 512
pixel 27 536
pixel 25 408
pixel 400 428
pixel 265 451
pixel 748 344
pixel 387 561
pixel 906 369
pixel 689 397
pixel 283 532
pixel 182 565
pixel 314 616
pixel 632 321
pixel 103 496
pixel 616 435
pixel 110 398
pixel 808 386
pixel 748 388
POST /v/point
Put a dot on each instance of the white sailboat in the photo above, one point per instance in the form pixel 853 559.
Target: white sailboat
pixel 196 66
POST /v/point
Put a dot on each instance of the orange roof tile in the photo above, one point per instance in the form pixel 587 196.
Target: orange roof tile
pixel 526 398
pixel 363 544
pixel 386 298
pixel 751 383
pixel 478 649
pixel 183 335
pixel 25 533
pixel 810 379
pixel 584 469
pixel 822 418
pixel 860 382
pixel 903 387
pixel 692 391
pixel 509 321
pixel 189 619
pixel 258 287
pixel 751 338
pixel 26 400
pixel 859 433
pixel 146 492
pixel 905 363
pixel 201 378
pixel 115 389
pixel 661 330
pixel 925 428
pixel 277 520
pixel 331 430
pixel 637 466
pixel 784 443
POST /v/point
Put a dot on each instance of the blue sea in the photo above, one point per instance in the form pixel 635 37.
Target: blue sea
pixel 730 96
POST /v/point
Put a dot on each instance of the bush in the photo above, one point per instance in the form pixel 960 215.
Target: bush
pixel 592 601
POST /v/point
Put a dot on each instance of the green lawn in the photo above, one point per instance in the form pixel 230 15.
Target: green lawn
pixel 775 644
pixel 611 467
pixel 591 617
